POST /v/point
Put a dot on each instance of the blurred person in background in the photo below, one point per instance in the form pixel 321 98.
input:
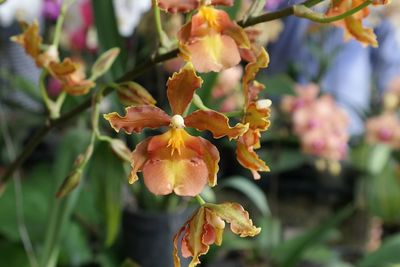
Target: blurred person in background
pixel 345 69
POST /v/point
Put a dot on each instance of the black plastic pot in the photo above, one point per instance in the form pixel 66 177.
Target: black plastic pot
pixel 148 237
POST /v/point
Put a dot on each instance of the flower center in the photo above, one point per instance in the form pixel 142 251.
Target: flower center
pixel 209 15
pixel 177 121
pixel 177 140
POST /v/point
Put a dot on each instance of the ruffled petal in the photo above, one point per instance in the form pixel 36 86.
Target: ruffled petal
pixel 250 160
pixel 138 158
pixel 138 118
pixel 213 53
pixel 30 40
pixel 364 35
pixel 185 172
pixel 216 123
pixel 251 70
pixel 181 87
pixel 238 218
pixel 258 119
pixel 209 154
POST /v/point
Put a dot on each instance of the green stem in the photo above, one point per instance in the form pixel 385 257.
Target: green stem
pixel 305 12
pixel 199 103
pixel 60 22
pixel 162 36
pixel 200 200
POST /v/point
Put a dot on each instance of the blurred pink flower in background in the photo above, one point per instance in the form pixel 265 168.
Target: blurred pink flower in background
pixel 384 128
pixel 227 88
pixel 320 123
pixel 52 9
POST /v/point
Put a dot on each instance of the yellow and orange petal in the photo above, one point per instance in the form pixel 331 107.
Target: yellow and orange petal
pixel 206 227
pixel 353 25
pixel 214 52
pixel 261 60
pixel 250 160
pixel 181 87
pixel 138 118
pixel 211 40
pixel 237 217
pixel 216 123
pixel 30 39
pixel 176 162
pixel 72 76
pixel 257 118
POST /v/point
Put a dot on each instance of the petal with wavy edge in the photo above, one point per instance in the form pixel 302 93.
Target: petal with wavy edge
pixel 217 224
pixel 250 160
pixel 195 233
pixel 178 6
pixel 213 53
pixel 30 39
pixel 356 29
pixel 258 119
pixel 216 123
pixel 181 87
pixel 251 70
pixel 183 172
pixel 238 218
pixel 138 118
pixel 138 158
pixel 210 156
pixel 60 70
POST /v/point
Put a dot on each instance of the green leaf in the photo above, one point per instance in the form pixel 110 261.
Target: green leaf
pixel 2 1
pixel 378 158
pixel 107 174
pixel 387 254
pixel 384 193
pixel 289 253
pixel 280 84
pixel 250 190
pixel 13 255
pixel 107 32
pixel 104 62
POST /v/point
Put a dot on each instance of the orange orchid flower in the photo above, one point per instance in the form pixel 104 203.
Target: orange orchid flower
pixel 353 25
pixel 206 227
pixel 31 41
pixel 176 161
pixel 212 41
pixel 72 76
pixel 256 115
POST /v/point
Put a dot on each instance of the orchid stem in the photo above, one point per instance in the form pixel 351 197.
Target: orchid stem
pixel 162 36
pixel 304 12
pixel 200 200
pixel 60 22
pixel 199 103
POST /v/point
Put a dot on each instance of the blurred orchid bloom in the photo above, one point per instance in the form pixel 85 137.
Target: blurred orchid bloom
pixel 206 228
pixel 384 129
pixel 128 13
pixel 353 25
pixel 21 10
pixel 212 41
pixel 176 161
pixel 178 6
pixel 256 115
pixel 31 41
pixel 320 124
pixel 71 74
pixel 52 8
pixel 227 88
